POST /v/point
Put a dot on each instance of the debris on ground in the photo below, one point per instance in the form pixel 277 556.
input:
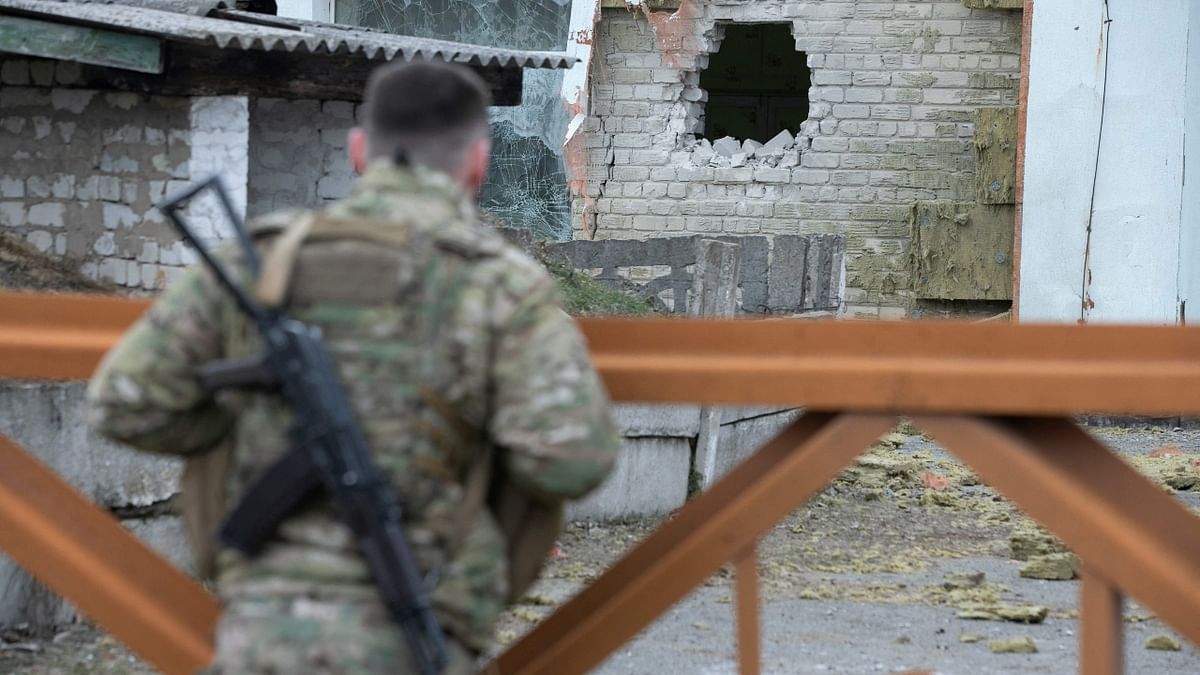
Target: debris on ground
pixel 1027 543
pixel 1170 467
pixel 1051 567
pixel 1004 612
pixel 1021 645
pixel 1164 643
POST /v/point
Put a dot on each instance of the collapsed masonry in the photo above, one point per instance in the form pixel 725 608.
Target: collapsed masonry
pixel 892 110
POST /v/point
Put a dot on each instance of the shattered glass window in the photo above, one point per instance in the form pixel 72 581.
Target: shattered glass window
pixel 527 181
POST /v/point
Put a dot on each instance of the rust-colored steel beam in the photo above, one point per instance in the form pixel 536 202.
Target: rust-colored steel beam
pixel 84 554
pixel 714 528
pixel 1123 526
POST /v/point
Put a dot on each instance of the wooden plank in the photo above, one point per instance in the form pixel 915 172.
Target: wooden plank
pixel 1123 526
pixel 901 367
pixel 686 550
pixel 749 637
pixel 1102 628
pixel 995 155
pixel 60 336
pixel 84 44
pixel 962 251
pixel 84 555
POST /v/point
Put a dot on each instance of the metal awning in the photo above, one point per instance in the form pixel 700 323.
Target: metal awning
pixel 207 48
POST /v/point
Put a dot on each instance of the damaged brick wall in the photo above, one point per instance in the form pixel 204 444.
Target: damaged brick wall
pixel 298 153
pixel 895 87
pixel 83 168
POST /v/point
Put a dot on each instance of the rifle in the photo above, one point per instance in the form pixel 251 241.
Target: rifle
pixel 328 447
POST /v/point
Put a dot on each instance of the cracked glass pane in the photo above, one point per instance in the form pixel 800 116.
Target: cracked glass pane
pixel 527 182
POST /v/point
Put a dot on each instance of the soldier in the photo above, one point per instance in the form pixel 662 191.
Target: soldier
pixel 461 366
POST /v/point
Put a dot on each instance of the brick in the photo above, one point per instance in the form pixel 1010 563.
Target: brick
pixel 14 72
pixel 46 214
pixel 734 175
pixel 769 175
pixel 819 160
pixel 806 176
pixel 864 95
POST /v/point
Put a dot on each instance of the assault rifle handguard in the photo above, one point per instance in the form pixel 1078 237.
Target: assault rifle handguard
pixel 329 449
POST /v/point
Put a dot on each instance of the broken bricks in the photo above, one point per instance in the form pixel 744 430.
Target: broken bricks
pixel 1003 612
pixel 1021 645
pixel 1051 567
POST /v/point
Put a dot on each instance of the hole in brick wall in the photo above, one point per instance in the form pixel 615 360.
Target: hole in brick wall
pixel 757 83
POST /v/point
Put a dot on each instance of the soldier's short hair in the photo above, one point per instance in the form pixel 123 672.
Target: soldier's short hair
pixel 427 113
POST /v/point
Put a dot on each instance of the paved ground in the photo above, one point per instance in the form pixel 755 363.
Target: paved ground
pixel 868 578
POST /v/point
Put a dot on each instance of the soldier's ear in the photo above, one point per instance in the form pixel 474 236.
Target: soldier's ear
pixel 477 164
pixel 356 147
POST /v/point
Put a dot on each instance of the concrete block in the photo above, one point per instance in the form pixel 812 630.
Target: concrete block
pixel 726 147
pixel 638 420
pixel 742 438
pixel 48 420
pixel 650 478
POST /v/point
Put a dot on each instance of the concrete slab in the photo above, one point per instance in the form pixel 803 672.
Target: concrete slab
pixel 48 420
pixel 637 420
pixel 740 439
pixel 651 478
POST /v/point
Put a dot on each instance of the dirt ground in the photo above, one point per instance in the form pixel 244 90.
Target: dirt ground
pixel 876 575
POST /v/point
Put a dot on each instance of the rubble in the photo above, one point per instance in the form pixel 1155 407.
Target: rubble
pixel 1004 612
pixel 1021 645
pixel 1164 643
pixel 782 151
pixel 1025 544
pixel 1051 567
pixel 725 147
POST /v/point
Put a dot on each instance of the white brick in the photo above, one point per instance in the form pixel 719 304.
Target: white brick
pixel 119 215
pixel 105 244
pixel 12 214
pixel 46 214
pixel 149 253
pixel 40 239
pixel 112 270
pixel 71 100
pixel 11 187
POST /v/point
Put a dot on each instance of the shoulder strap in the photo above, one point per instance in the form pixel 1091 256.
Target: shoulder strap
pixel 276 275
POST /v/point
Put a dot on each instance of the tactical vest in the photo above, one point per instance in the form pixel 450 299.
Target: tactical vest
pixel 529 527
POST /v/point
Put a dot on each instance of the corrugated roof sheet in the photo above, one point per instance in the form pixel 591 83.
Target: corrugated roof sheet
pixel 209 23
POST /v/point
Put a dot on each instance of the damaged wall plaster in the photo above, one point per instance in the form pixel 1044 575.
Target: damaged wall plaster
pixel 83 168
pixel 895 87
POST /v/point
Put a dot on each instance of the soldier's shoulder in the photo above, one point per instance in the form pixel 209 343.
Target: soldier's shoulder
pixel 508 266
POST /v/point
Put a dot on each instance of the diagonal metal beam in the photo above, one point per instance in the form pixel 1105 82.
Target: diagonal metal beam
pixel 716 527
pixel 1124 527
pixel 84 555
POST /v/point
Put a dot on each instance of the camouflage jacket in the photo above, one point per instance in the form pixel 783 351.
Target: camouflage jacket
pixel 449 342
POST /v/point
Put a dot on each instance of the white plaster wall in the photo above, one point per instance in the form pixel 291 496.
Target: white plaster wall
pixel 1189 239
pixel 1132 256
pixel 220 142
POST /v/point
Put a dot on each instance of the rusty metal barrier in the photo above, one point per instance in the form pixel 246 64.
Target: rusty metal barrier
pixel 997 395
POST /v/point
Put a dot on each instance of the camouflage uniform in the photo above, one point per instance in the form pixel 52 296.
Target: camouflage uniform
pixel 449 341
